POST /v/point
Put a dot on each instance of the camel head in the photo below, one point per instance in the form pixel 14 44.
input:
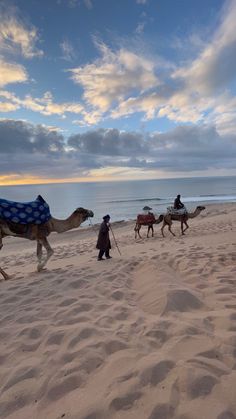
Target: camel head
pixel 200 208
pixel 84 213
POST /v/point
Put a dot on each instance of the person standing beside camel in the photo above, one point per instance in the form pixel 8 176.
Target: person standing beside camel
pixel 103 242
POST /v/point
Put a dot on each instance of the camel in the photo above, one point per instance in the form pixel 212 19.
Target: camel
pixel 146 220
pixel 40 233
pixel 168 218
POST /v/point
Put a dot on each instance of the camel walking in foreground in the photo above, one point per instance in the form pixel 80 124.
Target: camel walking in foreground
pixel 183 218
pixel 40 233
pixel 146 220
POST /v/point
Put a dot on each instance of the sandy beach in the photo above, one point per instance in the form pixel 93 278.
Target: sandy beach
pixel 150 334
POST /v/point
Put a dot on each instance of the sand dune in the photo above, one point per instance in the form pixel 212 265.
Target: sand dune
pixel 150 334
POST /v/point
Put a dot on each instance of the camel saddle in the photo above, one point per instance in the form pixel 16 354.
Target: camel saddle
pixel 35 212
pixel 173 211
pixel 146 219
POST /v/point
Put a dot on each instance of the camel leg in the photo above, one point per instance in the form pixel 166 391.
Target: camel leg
pixel 49 251
pixel 2 272
pixel 150 228
pixel 39 252
pixel 138 230
pixel 162 229
pixel 187 226
pixel 169 228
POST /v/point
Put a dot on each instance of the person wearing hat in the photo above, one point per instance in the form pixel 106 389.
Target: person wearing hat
pixel 103 242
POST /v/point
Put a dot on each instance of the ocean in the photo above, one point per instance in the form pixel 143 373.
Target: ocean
pixel 124 200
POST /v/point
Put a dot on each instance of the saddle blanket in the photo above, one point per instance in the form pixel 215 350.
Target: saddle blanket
pixel 173 211
pixel 146 218
pixel 35 212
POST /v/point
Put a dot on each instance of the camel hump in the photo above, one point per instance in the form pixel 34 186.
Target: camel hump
pixel 40 198
pixel 145 218
pixel 34 212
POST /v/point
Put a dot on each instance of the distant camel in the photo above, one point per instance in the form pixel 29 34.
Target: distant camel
pixel 168 218
pixel 146 220
pixel 40 233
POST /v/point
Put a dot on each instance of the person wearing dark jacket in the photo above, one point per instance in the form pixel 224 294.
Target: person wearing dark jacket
pixel 103 242
pixel 178 204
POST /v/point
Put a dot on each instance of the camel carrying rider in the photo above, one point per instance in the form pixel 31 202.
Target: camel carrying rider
pixel 103 242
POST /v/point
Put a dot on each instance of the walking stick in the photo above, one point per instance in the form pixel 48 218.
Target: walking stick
pixel 115 240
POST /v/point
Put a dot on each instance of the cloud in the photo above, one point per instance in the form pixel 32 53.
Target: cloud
pixel 16 36
pixel 215 67
pixel 88 4
pixel 44 105
pixel 38 150
pixel 20 136
pixel 67 50
pixel 11 73
pixel 183 149
pixel 114 77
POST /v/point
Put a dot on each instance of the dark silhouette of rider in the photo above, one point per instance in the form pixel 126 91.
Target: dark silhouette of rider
pixel 178 204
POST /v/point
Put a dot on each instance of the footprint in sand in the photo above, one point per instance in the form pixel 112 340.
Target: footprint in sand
pixel 156 373
pixel 64 387
pixel 226 415
pixel 162 411
pixel 201 386
pixel 125 402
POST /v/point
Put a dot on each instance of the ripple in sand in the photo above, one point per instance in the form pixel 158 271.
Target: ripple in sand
pixel 21 375
pixel 162 411
pixel 226 415
pixel 202 386
pixel 67 302
pixel 181 300
pixel 84 334
pixel 114 346
pixel 94 415
pixel 156 373
pixel 125 402
pixel 117 295
pixel 55 338
pixel 64 387
pixel 158 335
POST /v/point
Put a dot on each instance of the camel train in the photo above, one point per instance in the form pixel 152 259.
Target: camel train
pixel 149 220
pixel 25 226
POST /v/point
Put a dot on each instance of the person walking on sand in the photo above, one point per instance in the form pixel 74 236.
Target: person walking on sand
pixel 103 242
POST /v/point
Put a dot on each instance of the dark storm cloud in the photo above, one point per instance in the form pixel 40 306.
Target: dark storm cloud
pixel 20 136
pixel 37 151
pixel 109 142
pixel 185 148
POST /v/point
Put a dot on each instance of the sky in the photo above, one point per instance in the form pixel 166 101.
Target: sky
pixel 94 90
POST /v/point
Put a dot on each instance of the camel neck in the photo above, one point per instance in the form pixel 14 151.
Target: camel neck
pixel 60 226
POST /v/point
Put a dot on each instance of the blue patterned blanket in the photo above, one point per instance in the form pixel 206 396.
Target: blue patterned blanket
pixel 35 212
